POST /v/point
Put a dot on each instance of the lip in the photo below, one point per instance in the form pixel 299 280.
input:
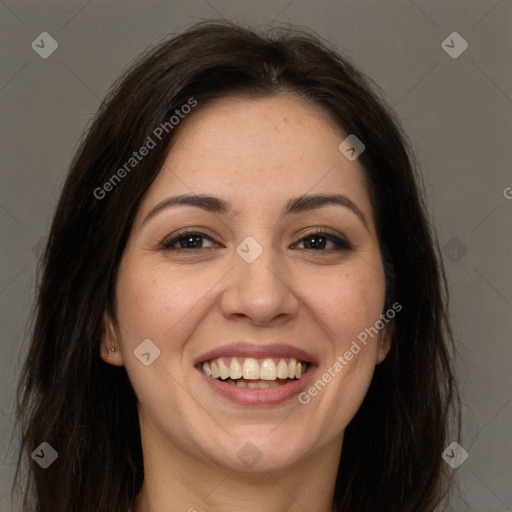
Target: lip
pixel 259 397
pixel 257 351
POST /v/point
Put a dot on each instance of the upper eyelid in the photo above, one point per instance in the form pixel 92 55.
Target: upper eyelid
pixel 311 231
pixel 171 240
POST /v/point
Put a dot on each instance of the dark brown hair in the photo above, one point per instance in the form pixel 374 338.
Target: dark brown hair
pixel 86 409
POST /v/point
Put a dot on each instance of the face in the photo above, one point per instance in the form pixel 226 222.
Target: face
pixel 254 289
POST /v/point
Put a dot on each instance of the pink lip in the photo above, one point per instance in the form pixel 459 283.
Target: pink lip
pixel 257 351
pixel 266 396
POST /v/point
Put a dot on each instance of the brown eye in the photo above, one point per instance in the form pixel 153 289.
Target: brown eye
pixel 318 240
pixel 188 240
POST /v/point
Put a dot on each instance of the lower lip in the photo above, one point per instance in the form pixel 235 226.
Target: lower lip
pixel 266 396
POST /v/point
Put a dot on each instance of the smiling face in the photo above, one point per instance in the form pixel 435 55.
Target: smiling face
pixel 254 270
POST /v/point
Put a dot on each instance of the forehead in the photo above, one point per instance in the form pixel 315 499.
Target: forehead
pixel 255 152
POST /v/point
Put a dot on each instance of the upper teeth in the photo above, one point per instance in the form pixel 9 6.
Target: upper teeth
pixel 249 368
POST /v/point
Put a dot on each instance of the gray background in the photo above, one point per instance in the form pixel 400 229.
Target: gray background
pixel 457 112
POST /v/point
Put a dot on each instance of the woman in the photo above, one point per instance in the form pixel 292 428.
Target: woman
pixel 242 304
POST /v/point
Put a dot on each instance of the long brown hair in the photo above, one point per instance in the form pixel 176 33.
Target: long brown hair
pixel 86 409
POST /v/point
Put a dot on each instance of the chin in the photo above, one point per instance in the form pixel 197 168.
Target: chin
pixel 261 449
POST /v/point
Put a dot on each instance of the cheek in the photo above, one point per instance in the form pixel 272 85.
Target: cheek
pixel 350 305
pixel 350 302
pixel 161 305
pixel 154 300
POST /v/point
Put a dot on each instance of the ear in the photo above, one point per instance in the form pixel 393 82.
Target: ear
pixel 384 343
pixel 110 351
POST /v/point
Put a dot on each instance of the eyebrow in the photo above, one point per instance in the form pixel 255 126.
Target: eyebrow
pixel 296 205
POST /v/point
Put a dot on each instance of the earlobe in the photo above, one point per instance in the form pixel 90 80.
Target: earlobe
pixel 385 343
pixel 109 345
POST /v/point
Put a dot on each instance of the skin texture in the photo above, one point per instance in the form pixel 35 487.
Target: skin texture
pixel 256 153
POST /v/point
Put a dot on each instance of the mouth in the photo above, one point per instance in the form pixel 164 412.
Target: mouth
pixel 251 373
pixel 256 374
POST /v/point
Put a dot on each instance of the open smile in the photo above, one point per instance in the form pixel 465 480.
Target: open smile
pixel 247 372
pixel 257 375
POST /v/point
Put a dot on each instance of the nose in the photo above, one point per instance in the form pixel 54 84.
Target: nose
pixel 260 292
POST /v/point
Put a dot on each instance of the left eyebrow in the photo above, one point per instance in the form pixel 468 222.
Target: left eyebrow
pixel 314 202
pixel 293 206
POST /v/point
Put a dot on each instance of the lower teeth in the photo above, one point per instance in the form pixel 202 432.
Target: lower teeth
pixel 257 384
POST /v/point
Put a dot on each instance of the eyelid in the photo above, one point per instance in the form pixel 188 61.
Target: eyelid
pixel 170 240
pixel 339 240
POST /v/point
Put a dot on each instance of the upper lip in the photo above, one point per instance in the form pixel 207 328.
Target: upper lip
pixel 257 351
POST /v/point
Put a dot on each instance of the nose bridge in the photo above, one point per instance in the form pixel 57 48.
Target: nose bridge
pixel 259 263
pixel 258 286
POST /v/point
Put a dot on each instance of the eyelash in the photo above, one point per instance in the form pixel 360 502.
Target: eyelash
pixel 342 244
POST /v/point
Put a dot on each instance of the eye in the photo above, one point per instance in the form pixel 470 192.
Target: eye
pixel 317 241
pixel 188 240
